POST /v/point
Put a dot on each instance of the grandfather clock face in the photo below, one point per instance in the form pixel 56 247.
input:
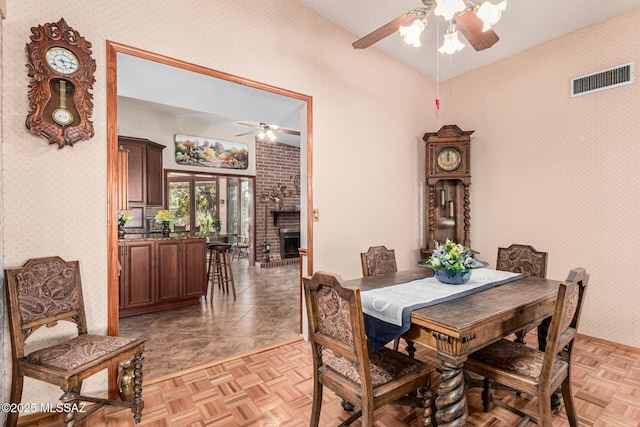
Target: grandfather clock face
pixel 447 159
pixel 62 72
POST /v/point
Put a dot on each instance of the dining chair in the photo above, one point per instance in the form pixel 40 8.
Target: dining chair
pixel 240 248
pixel 532 371
pixel 45 292
pixel 380 260
pixel 343 363
pixel 523 259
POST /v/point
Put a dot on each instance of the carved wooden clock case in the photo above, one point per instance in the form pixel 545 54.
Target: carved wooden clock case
pixel 448 181
pixel 62 72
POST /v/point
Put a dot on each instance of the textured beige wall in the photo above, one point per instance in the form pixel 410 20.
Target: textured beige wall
pixel 557 172
pixel 369 115
pixel 548 170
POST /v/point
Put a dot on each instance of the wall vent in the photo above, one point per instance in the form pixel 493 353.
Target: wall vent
pixel 602 80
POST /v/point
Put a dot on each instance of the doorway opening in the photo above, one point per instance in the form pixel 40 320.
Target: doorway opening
pixel 114 50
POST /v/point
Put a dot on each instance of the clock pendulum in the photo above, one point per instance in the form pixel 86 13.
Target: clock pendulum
pixel 62 115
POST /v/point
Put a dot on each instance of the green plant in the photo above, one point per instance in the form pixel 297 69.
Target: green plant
pixel 452 256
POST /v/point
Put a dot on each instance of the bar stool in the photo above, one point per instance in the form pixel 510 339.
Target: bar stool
pixel 219 270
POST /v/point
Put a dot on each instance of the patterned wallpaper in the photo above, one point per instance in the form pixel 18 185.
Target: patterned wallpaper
pixel 3 338
pixel 55 200
pixel 560 173
pixel 550 171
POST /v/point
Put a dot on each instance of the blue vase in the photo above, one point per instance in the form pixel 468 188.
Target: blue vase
pixel 452 277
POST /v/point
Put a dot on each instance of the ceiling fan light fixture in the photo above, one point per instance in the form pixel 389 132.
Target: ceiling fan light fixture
pixel 490 13
pixel 448 8
pixel 271 135
pixel 411 33
pixel 452 43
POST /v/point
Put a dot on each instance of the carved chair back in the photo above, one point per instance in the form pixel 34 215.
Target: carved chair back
pixel 378 260
pixel 522 259
pixel 41 293
pixel 565 319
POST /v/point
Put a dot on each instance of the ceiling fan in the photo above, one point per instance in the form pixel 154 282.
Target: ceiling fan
pixel 267 132
pixel 473 18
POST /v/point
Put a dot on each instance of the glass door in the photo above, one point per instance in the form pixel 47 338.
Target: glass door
pixel 239 197
pixel 206 206
pixel 193 200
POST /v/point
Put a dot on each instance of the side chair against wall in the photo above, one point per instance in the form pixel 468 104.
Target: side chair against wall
pixel 535 372
pixel 380 260
pixel 342 361
pixel 42 293
pixel 523 259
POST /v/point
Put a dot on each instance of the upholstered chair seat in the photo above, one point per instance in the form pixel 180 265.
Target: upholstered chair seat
pixel 79 352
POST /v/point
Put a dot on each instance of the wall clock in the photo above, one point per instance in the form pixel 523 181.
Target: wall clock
pixel 62 75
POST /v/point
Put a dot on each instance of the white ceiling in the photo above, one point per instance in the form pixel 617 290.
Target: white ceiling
pixel 159 87
pixel 524 24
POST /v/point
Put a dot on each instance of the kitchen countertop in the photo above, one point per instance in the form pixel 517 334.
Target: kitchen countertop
pixel 172 236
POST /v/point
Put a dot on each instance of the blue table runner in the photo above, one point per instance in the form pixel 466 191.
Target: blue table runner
pixel 387 311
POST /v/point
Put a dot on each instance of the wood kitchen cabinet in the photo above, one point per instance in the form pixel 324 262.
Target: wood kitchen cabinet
pixel 195 264
pixel 157 274
pixel 145 172
pixel 137 281
pixel 170 277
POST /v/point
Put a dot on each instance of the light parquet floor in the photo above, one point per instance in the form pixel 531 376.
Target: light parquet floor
pixel 274 388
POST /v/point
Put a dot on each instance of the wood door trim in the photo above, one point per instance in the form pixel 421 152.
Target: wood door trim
pixel 113 48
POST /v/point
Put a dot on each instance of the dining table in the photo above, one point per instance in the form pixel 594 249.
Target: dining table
pixel 457 327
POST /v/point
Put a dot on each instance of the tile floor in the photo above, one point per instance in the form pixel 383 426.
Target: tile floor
pixel 265 313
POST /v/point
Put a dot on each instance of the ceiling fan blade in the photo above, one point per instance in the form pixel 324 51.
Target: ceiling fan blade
pixel 289 131
pixel 252 124
pixel 471 28
pixel 247 133
pixel 387 29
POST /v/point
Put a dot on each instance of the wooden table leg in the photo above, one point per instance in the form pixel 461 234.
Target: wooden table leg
pixel 451 403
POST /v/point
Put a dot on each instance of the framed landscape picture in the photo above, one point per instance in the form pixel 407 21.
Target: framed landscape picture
pixel 211 152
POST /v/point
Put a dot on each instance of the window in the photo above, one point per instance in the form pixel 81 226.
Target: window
pixel 193 200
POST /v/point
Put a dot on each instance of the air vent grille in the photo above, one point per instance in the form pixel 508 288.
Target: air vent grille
pixel 601 80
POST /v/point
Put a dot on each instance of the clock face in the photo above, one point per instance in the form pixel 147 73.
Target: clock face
pixel 449 159
pixel 62 116
pixel 62 60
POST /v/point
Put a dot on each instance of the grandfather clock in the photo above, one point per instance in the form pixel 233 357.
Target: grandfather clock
pixel 448 181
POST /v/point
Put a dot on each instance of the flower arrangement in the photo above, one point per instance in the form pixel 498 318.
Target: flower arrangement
pixel 452 256
pixel 124 217
pixel 164 216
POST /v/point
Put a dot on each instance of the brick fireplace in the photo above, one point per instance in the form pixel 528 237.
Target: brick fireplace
pixel 276 164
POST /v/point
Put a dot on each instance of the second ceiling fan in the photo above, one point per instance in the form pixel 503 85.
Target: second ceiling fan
pixel 473 18
pixel 267 132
